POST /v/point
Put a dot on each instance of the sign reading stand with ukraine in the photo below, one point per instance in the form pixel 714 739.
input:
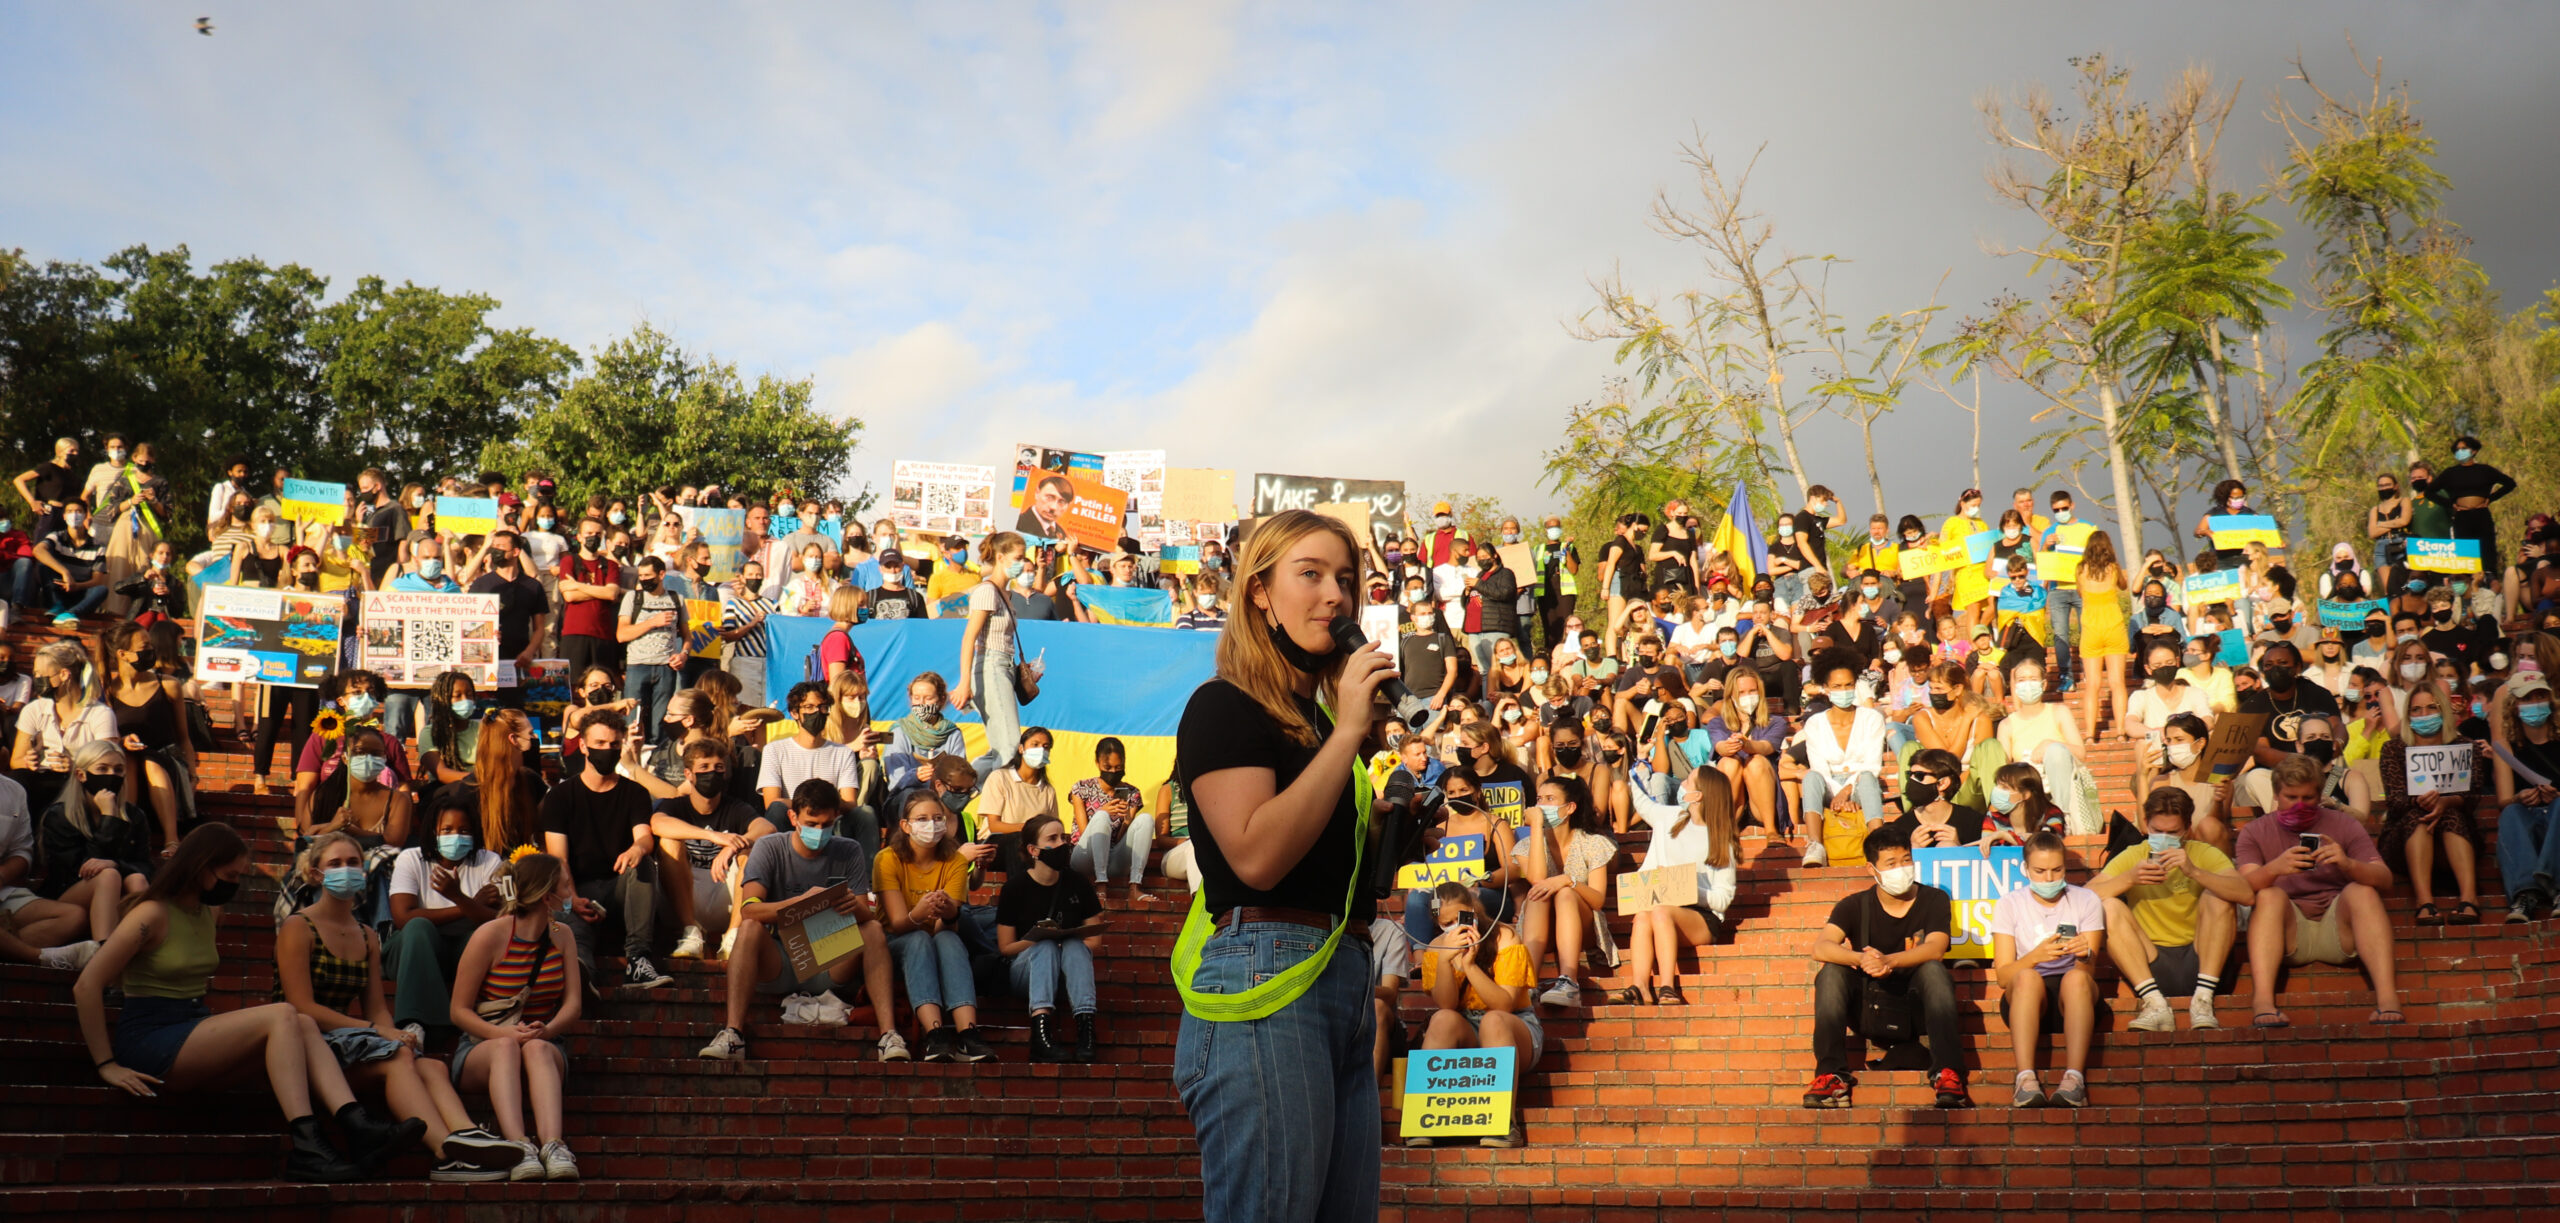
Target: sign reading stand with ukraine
pixel 313 501
pixel 2241 530
pixel 2444 555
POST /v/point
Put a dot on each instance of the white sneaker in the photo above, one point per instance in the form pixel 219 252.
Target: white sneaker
pixel 2155 1016
pixel 528 1168
pixel 70 958
pixel 728 942
pixel 689 946
pixel 2200 1011
pixel 1815 854
pixel 728 1046
pixel 557 1163
pixel 893 1048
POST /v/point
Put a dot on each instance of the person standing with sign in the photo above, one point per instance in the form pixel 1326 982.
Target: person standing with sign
pixel 1273 1061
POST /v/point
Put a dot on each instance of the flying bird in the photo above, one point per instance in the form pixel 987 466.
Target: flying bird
pixel 204 26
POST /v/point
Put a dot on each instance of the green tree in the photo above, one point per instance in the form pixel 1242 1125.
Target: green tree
pixel 419 382
pixel 647 414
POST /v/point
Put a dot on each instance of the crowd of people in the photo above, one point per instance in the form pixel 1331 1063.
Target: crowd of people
pixel 449 918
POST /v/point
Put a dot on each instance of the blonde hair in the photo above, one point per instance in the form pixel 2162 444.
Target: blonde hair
pixel 839 729
pixel 67 656
pixel 1734 718
pixel 87 756
pixel 306 865
pixel 2445 733
pixel 844 604
pixel 529 880
pixel 1247 658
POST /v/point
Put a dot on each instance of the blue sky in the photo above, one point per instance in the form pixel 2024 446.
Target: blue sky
pixel 1340 240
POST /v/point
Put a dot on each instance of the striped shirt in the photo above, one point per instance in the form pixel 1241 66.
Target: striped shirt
pixel 738 609
pixel 515 967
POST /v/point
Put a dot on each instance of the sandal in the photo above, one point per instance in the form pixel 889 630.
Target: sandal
pixel 1625 995
pixel 2386 1018
pixel 1669 995
pixel 2429 915
pixel 2270 1019
pixel 2465 913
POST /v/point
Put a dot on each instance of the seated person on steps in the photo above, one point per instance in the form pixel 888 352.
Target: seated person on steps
pixel 2172 912
pixel 2315 905
pixel 2045 941
pixel 809 858
pixel 1883 956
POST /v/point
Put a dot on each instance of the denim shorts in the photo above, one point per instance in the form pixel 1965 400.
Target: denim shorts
pixel 1537 1031
pixel 150 1031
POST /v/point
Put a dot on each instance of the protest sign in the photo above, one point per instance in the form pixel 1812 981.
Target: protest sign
pixel 1199 494
pixel 2338 615
pixel 1973 882
pixel 459 516
pixel 1933 558
pixel 1065 508
pixel 1642 892
pixel 1139 473
pixel 313 501
pixel 703 641
pixel 1457 1093
pixel 546 687
pixel 1030 461
pixel 1453 860
pixel 1378 624
pixel 943 498
pixel 2206 589
pixel 2444 555
pixel 725 531
pixel 2233 531
pixel 2440 770
pixel 1973 584
pixel 1179 558
pixel 814 935
pixel 410 638
pixel 2059 559
pixel 2229 747
pixel 287 637
pixel 1385 499
pixel 1516 558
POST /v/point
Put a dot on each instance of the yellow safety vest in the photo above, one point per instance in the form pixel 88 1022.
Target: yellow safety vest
pixel 1564 576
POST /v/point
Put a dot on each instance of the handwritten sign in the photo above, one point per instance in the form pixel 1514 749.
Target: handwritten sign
pixel 1454 860
pixel 1644 891
pixel 814 935
pixel 2206 589
pixel 1973 883
pixel 2440 770
pixel 1934 558
pixel 1458 1093
pixel 2229 747
pixel 2336 614
pixel 2231 531
pixel 2444 555
pixel 313 501
pixel 704 641
pixel 725 531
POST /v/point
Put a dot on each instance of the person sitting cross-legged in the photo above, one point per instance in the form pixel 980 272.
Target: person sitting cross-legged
pixel 807 859
pixel 2045 940
pixel 2315 905
pixel 1890 938
pixel 2171 914
pixel 1049 924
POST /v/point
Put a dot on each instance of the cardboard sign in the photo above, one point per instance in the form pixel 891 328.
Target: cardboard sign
pixel 941 499
pixel 1454 860
pixel 704 639
pixel 1059 507
pixel 814 935
pixel 2440 770
pixel 2350 616
pixel 2234 531
pixel 1199 494
pixel 1644 891
pixel 459 516
pixel 1973 882
pixel 2444 555
pixel 2229 747
pixel 1517 559
pixel 410 638
pixel 287 637
pixel 1458 1093
pixel 313 501
pixel 1384 498
pixel 2205 589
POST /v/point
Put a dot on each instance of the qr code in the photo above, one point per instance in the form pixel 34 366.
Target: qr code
pixel 941 499
pixel 434 641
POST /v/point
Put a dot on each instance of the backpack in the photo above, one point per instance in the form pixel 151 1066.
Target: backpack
pixel 814 667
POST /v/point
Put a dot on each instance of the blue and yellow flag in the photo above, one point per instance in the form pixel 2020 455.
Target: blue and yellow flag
pixel 2231 531
pixel 1129 606
pixel 313 501
pixel 1740 538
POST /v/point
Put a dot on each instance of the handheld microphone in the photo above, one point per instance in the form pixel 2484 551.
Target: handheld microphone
pixel 1347 636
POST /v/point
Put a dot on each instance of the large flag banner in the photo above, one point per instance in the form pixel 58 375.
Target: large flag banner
pixel 941 499
pixel 1133 606
pixel 1385 498
pixel 313 501
pixel 288 637
pixel 726 533
pixel 460 516
pixel 1140 473
pixel 2231 531
pixel 410 638
pixel 1029 460
pixel 1974 882
pixel 1740 538
pixel 2444 555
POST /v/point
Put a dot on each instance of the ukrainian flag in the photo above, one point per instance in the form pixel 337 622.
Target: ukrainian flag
pixel 1132 606
pixel 2232 531
pixel 1740 538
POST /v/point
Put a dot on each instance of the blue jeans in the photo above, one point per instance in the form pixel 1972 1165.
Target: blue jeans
pixel 68 603
pixel 1099 853
pixel 2529 848
pixel 2062 609
pixel 22 580
pixel 936 967
pixel 1896 734
pixel 1286 1106
pixel 995 704
pixel 651 684
pixel 1037 972
pixel 1817 795
pixel 400 715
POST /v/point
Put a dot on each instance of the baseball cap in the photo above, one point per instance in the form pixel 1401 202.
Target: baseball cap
pixel 1442 507
pixel 2527 681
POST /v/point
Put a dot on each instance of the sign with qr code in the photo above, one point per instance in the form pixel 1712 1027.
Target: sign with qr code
pixel 943 498
pixel 411 638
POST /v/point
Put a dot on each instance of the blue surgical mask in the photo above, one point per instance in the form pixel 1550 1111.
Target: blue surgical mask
pixel 2003 799
pixel 453 846
pixel 346 881
pixel 617 518
pixel 2162 842
pixel 1554 813
pixel 2427 723
pixel 2462 454
pixel 358 704
pixel 1036 757
pixel 2049 888
pixel 2534 714
pixel 1728 648
pixel 365 768
pixel 431 568
pixel 816 836
pixel 1013 568
pixel 462 706
pixel 546 523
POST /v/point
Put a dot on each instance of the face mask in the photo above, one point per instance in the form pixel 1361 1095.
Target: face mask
pixel 2050 889
pixel 2030 691
pixel 1538 676
pixel 589 543
pixel 1786 530
pixel 814 837
pixel 1208 602
pixel 75 521
pixel 2237 503
pixel 1423 622
pixel 2497 662
pixel 2009 535
pixel 2462 454
pixel 2426 723
pixel 2298 817
pixel 463 706
pixel 1554 813
pixel 1056 857
pixel 651 585
pixel 1869 590
pixel 2182 754
pixel 617 518
pixel 712 784
pixel 2062 515
pixel 266 531
pixel 603 759
pixel 2003 799
pixel 926 832
pixel 1443 520
pixel 1554 534
pixel 2534 714
pixel 431 569
pixel 219 892
pixel 2163 676
pixel 453 846
pixel 1748 703
pixel 1571 756
pixel 2322 750
pixel 343 881
pixel 1892 656
pixel 2385 494
pixel 1510 715
pixel 365 768
pixel 2413 671
pixel 546 523
pixel 1920 793
pixel 1942 701
pixel 814 723
pixel 1395 556
pixel 2277 676
pixel 1013 568
pixel 1897 880
pixel 1841 697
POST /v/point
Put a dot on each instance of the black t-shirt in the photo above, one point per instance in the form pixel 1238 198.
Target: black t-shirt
pixel 55 482
pixel 1635 674
pixel 1425 659
pixel 1968 822
pixel 1222 728
pixel 520 599
pixel 1931 913
pixel 1507 790
pixel 2284 729
pixel 1629 572
pixel 734 815
pixel 388 523
pixel 1681 544
pixel 598 825
pixel 887 604
pixel 1025 901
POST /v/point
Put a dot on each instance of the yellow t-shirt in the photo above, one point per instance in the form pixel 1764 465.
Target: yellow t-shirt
pixel 1510 971
pixel 893 873
pixel 947 591
pixel 2167 911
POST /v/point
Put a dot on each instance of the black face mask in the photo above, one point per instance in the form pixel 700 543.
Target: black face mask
pixel 2162 675
pixel 814 723
pixel 2385 494
pixel 1610 754
pixel 1920 793
pixel 2322 750
pixel 1296 654
pixel 1056 857
pixel 1942 701
pixel 712 784
pixel 2154 602
pixel 1569 756
pixel 2280 623
pixel 603 761
pixel 589 543
pixel 220 892
pixel 1111 777
pixel 2278 678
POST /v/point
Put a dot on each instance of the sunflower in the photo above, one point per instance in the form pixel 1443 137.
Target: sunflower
pixel 329 724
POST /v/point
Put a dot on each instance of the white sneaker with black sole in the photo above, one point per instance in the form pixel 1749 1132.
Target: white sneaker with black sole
pixel 644 975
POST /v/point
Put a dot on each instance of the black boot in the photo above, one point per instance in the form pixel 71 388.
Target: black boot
pixel 1044 1039
pixel 1085 1035
pixel 312 1158
pixel 371 1143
